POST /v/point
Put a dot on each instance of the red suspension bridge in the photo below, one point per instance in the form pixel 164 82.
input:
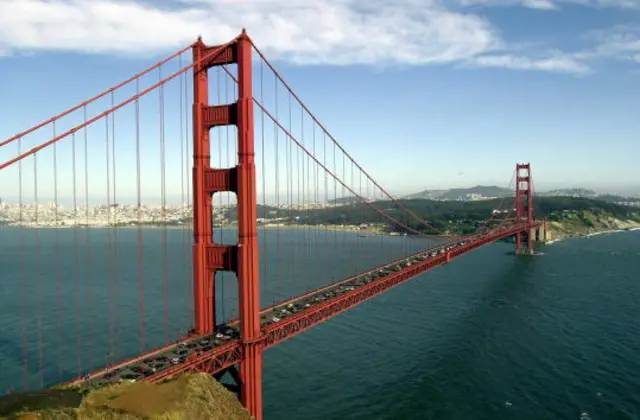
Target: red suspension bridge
pixel 262 163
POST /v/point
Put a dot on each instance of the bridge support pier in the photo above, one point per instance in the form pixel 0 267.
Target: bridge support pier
pixel 540 234
pixel 251 379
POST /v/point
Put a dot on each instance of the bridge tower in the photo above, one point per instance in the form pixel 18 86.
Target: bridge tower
pixel 524 206
pixel 209 257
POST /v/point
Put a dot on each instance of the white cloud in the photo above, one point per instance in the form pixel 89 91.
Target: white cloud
pixel 539 4
pixel 622 42
pixel 532 4
pixel 332 32
pixel 625 4
pixel 301 31
pixel 555 4
pixel 555 63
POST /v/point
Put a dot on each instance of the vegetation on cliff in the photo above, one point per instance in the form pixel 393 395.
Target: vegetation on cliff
pixel 189 397
pixel 571 214
pixel 569 223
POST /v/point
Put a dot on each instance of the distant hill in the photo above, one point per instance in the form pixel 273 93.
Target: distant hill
pixel 619 199
pixel 482 192
pixel 585 193
pixel 479 192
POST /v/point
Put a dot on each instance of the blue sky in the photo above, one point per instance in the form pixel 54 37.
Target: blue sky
pixel 424 94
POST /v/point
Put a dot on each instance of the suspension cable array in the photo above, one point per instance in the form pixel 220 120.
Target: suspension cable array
pixel 96 202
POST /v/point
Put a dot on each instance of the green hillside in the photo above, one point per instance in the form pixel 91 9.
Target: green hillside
pixel 452 217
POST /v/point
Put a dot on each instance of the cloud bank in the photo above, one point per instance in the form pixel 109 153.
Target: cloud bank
pixel 555 4
pixel 558 63
pixel 318 32
pixel 305 32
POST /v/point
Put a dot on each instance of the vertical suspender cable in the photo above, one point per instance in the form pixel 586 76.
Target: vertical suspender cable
pixel 287 199
pixel 289 181
pixel 110 282
pixel 234 154
pixel 363 211
pixel 277 293
pixel 304 213
pixel 221 276
pixel 326 204
pixel 265 257
pixel 346 204
pixel 309 210
pixel 76 253
pixel 182 139
pixel 353 212
pixel 388 228
pixel 23 275
pixel 116 303
pixel 38 278
pixel 183 168
pixel 300 178
pixel 139 207
pixel 233 157
pixel 57 263
pixel 88 303
pixel 163 199
pixel 356 203
pixel 227 100
pixel 188 274
pixel 316 187
pixel 335 221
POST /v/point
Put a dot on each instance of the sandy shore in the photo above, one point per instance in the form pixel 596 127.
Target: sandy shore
pixel 597 233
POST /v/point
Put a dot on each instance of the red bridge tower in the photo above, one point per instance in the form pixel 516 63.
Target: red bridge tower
pixel 524 206
pixel 209 257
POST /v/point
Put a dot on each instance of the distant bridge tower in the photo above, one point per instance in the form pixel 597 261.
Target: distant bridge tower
pixel 524 206
pixel 208 257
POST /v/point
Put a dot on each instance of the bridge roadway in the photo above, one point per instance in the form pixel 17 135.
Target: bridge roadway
pixel 217 352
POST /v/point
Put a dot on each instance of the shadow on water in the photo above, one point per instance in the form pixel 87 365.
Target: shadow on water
pixel 12 353
pixel 438 385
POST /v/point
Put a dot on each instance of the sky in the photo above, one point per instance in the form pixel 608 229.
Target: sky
pixel 424 94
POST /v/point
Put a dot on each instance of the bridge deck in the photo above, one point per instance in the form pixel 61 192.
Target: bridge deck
pixel 218 351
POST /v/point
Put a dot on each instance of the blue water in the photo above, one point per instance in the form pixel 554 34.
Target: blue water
pixel 490 336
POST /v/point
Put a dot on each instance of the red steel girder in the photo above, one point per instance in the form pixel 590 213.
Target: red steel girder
pixel 220 358
pixel 305 319
pixel 211 362
pixel 229 55
pixel 217 115
pixel 220 180
pixel 222 257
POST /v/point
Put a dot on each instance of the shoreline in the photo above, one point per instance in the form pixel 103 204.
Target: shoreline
pixel 596 233
pixel 369 231
pixel 556 234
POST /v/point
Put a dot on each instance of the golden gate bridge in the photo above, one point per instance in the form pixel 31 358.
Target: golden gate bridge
pixel 254 142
